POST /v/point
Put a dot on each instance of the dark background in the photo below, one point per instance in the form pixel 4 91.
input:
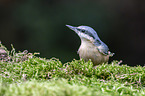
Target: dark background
pixel 39 26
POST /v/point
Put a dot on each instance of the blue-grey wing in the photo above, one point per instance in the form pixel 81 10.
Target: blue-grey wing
pixel 103 48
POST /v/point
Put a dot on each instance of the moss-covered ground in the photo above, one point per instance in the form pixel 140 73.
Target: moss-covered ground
pixel 23 74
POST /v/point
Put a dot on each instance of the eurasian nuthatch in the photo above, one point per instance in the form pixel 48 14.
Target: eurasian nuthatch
pixel 91 45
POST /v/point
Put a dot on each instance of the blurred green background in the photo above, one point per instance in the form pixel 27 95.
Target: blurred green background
pixel 39 26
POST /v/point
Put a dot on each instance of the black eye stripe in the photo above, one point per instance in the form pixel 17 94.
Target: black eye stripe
pixel 78 29
pixel 86 32
pixel 91 35
pixel 82 30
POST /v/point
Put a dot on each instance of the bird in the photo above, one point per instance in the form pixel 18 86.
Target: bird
pixel 91 48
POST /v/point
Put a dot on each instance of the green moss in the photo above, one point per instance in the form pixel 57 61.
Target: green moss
pixel 37 76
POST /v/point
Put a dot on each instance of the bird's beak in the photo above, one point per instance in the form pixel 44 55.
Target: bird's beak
pixel 71 27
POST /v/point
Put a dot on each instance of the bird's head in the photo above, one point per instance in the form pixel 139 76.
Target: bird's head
pixel 85 32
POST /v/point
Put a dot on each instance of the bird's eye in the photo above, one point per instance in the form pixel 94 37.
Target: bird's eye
pixel 83 31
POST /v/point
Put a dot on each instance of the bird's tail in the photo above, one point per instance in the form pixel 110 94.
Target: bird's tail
pixel 110 54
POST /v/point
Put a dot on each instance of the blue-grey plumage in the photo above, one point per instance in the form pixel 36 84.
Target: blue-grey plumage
pixel 91 45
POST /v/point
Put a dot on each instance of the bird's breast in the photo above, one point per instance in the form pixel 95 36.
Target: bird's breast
pixel 88 51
